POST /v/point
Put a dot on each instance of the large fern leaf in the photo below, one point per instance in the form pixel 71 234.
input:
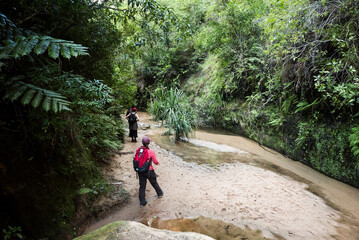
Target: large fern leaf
pixel 39 44
pixel 31 94
pixel 23 44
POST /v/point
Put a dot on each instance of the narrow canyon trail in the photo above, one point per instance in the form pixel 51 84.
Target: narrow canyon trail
pixel 263 191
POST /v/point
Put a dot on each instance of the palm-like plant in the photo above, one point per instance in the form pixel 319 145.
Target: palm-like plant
pixel 173 107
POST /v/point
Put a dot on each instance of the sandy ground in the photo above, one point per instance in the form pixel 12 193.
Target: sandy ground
pixel 237 193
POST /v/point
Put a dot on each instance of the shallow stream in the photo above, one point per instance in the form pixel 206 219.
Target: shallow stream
pixel 213 148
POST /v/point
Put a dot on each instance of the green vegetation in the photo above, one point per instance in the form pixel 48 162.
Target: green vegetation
pixel 284 73
pixel 172 106
pixel 12 233
pixel 66 76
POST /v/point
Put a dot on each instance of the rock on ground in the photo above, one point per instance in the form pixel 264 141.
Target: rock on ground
pixel 127 230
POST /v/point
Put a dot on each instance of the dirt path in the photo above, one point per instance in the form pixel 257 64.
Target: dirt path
pixel 237 193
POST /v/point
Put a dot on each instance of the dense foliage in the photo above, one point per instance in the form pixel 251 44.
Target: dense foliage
pixel 66 76
pixel 284 73
pixel 49 156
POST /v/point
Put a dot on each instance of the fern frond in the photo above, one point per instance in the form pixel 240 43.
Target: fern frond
pixel 53 94
pixel 64 107
pixel 39 44
pixel 4 55
pixel 74 52
pixel 46 104
pixel 33 40
pixel 21 42
pixel 65 52
pixel 31 94
pixel 55 107
pixel 68 48
pixel 62 102
pixel 9 43
pixel 41 47
pixel 54 50
pixel 5 52
pixel 16 92
pixel 5 22
pixel 26 99
pixel 37 100
pixel 60 107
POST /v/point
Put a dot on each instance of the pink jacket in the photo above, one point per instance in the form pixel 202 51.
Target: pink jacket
pixel 152 155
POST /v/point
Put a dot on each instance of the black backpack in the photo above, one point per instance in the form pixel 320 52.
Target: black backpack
pixel 132 118
pixel 141 162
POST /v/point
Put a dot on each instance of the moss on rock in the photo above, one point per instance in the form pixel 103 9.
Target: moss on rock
pixel 122 230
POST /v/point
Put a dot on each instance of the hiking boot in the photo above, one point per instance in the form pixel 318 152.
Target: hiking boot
pixel 160 196
pixel 142 205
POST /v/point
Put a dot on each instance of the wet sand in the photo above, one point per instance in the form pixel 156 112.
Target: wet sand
pixel 341 195
pixel 241 193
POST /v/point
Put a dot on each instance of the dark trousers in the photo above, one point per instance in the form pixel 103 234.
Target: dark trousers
pixel 133 133
pixel 151 176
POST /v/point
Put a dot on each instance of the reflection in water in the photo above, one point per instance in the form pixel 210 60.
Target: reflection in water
pixel 201 152
pixel 216 229
pixel 215 146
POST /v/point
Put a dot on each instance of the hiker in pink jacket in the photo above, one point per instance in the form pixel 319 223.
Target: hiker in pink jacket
pixel 150 175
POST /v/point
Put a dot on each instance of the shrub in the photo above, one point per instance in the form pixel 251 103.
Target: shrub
pixel 172 106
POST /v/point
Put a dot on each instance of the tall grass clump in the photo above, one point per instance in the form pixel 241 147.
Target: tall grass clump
pixel 172 107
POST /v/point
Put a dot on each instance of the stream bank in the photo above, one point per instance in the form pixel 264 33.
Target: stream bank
pixel 244 193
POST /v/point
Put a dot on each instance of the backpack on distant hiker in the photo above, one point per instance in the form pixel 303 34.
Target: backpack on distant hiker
pixel 141 161
pixel 132 118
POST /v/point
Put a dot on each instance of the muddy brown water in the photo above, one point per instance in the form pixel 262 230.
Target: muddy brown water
pixel 267 203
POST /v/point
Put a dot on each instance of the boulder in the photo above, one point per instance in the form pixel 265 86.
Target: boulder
pixel 127 230
pixel 144 126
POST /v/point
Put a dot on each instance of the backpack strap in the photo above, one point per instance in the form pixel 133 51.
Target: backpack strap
pixel 148 171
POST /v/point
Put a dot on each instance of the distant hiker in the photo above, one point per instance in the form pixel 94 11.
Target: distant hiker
pixel 133 118
pixel 143 165
pixel 129 110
